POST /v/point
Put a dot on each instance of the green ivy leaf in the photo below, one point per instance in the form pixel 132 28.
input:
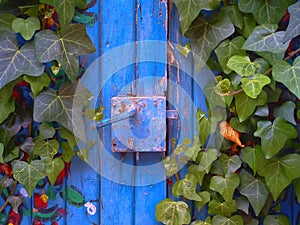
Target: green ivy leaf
pixel 264 38
pixel 170 165
pixel 235 15
pixel 222 208
pixel 12 154
pixel 274 135
pixel 242 204
pixel 237 125
pixel 229 164
pixel 1 153
pixel 293 28
pixel 288 75
pixel 7 103
pixel 6 21
pixel 286 111
pixel 200 222
pixel 249 25
pixel 225 186
pixel 276 220
pixel 50 101
pixel 213 99
pixel 204 125
pixel 53 168
pixel 65 48
pixel 65 8
pixel 69 136
pixel 272 58
pixel 206 158
pixel 29 174
pixel 221 220
pixel 194 169
pixel 68 152
pixel 253 86
pixel 37 83
pixel 9 128
pixel 279 173
pixel 254 157
pixel 228 48
pixel 187 188
pixel 268 11
pixel 205 198
pixel 255 190
pixel 297 189
pixel 26 27
pixel 172 213
pixel 245 106
pixel 206 35
pixel 242 65
pixel 15 62
pixel 46 131
pixel 45 149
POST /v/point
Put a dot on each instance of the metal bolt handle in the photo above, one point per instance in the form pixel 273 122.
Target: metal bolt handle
pixel 114 119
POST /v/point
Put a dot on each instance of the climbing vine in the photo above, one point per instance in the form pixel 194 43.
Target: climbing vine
pixel 42 54
pixel 246 156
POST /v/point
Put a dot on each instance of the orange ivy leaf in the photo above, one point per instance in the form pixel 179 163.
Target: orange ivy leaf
pixel 229 133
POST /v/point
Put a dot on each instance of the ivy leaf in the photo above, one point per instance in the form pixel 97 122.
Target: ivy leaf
pixel 288 75
pixel 255 190
pixel 293 28
pixel 222 208
pixel 45 149
pixel 12 154
pixel 9 128
pixel 29 174
pixel 68 152
pixel 206 35
pixel 245 105
pixel 235 15
pixel 187 188
pixel 249 25
pixel 268 11
pixel 274 135
pixel 297 189
pixel 206 158
pixel 172 213
pixel 26 27
pixel 7 103
pixel 242 204
pixel 65 48
pixel 53 168
pixel 46 131
pixel 286 111
pixel 37 83
pixel 253 86
pixel 1 153
pixel 170 165
pixel 194 169
pixel 264 38
pixel 205 198
pixel 15 62
pixel 221 220
pixel 200 222
pixel 69 136
pixel 276 220
pixel 254 157
pixel 242 65
pixel 6 21
pixel 228 48
pixel 225 186
pixel 65 9
pixel 188 11
pixel 15 202
pixel 229 164
pixel 279 173
pixel 204 125
pixel 49 102
pixel 272 58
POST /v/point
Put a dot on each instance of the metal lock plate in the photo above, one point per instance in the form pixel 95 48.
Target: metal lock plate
pixel 145 128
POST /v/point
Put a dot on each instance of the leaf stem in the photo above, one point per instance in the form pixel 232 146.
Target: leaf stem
pixel 11 194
